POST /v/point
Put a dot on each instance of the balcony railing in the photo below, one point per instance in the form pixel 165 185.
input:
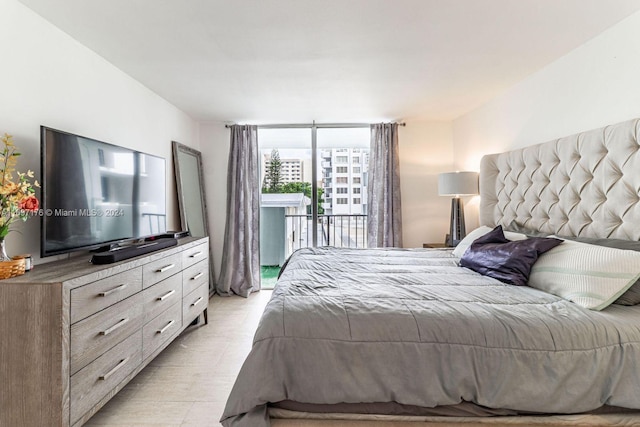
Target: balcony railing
pixel 349 231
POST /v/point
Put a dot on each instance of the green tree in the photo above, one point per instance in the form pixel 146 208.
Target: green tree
pixel 306 189
pixel 273 176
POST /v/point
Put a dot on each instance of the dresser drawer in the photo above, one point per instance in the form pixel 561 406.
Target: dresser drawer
pixel 161 296
pixel 160 329
pixel 96 334
pixel 95 380
pixel 195 303
pixel 195 254
pixel 158 270
pixel 89 299
pixel 195 276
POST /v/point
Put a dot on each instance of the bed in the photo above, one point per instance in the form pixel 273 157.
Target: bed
pixel 411 333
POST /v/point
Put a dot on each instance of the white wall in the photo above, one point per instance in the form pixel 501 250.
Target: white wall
pixel 425 151
pixel 594 85
pixel 214 146
pixel 47 78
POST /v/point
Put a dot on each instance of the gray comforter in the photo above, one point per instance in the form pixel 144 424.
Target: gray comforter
pixel 410 326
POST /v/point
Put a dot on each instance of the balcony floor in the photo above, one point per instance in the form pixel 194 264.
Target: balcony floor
pixel 269 276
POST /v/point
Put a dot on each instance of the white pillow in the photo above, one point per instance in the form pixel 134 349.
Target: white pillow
pixel 588 275
pixel 479 232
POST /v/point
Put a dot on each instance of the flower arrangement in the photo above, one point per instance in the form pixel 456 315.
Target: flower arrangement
pixel 17 197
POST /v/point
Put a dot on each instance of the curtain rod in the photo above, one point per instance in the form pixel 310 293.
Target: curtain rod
pixel 318 125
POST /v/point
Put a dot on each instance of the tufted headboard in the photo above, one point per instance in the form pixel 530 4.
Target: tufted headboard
pixel 585 185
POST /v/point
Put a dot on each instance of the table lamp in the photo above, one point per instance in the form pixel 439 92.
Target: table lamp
pixel 457 184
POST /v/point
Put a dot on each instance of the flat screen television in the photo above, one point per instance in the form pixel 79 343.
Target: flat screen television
pixel 96 194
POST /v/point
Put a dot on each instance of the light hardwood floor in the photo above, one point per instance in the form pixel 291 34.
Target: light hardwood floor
pixel 188 384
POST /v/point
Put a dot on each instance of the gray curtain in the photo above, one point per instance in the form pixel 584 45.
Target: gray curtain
pixel 240 273
pixel 384 220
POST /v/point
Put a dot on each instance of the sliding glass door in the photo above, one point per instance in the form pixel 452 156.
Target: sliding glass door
pixel 314 191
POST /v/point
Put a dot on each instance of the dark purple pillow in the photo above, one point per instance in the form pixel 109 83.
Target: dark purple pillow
pixel 509 261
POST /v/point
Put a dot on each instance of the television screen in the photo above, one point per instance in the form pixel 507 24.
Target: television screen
pixel 95 194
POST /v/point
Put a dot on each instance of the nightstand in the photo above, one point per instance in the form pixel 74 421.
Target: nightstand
pixel 434 245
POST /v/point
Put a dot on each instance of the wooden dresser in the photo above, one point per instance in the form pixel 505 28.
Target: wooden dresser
pixel 73 334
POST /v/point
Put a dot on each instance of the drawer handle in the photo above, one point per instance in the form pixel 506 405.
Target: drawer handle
pixel 196 255
pixel 193 304
pixel 161 331
pixel 167 295
pixel 165 268
pixel 113 371
pixel 112 291
pixel 114 327
pixel 197 276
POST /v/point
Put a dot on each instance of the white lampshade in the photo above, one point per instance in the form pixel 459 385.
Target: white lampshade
pixel 458 184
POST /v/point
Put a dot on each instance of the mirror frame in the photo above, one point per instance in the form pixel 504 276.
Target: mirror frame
pixel 178 148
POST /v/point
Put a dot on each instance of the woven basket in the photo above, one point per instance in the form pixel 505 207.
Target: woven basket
pixel 11 268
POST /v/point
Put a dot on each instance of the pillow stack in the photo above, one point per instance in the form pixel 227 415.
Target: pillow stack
pixel 589 275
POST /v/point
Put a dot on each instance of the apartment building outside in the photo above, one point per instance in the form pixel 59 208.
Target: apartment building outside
pixel 291 170
pixel 344 180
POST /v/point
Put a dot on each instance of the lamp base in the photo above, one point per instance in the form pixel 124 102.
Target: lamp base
pixel 457 229
pixel 448 242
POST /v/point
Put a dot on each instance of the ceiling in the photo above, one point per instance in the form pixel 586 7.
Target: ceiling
pixel 289 61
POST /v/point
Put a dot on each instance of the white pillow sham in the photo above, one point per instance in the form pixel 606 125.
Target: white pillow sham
pixel 588 275
pixel 479 232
